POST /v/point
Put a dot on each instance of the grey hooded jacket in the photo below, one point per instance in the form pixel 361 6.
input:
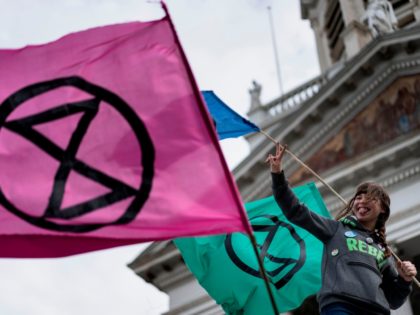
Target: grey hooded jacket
pixel 355 270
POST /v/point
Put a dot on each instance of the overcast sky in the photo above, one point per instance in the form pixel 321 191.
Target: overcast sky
pixel 228 44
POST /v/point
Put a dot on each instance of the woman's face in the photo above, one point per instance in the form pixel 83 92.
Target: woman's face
pixel 367 210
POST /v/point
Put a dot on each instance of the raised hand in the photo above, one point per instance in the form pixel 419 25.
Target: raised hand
pixel 275 160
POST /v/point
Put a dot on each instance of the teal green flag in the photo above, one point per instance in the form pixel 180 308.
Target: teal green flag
pixel 226 266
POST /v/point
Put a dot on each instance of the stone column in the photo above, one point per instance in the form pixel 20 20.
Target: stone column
pixel 322 48
pixel 416 11
pixel 351 10
pixel 355 35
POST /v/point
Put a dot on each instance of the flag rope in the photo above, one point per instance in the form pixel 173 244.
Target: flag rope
pixel 328 186
pixel 307 167
pixel 399 260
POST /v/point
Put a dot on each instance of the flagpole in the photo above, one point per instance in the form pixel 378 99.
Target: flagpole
pixel 399 260
pixel 276 57
pixel 200 101
pixel 264 274
pixel 328 186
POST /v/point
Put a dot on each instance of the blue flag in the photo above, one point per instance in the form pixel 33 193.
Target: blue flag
pixel 229 124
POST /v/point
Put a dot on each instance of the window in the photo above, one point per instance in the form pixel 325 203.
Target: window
pixel 334 26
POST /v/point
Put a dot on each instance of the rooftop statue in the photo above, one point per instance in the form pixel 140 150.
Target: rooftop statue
pixel 380 17
pixel 255 93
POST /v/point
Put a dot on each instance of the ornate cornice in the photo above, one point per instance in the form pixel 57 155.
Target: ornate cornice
pixel 395 70
pixel 204 305
pixel 253 185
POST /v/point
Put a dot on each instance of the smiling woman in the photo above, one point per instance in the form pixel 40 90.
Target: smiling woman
pixel 358 273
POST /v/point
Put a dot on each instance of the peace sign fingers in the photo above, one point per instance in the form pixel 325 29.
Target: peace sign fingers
pixel 275 160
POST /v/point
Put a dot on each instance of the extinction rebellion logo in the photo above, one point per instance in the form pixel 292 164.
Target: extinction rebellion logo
pixel 55 217
pixel 273 237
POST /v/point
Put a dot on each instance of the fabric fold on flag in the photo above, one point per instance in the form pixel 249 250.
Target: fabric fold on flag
pixel 105 141
pixel 226 266
pixel 228 123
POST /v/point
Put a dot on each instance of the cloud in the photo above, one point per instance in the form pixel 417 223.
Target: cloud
pixel 93 283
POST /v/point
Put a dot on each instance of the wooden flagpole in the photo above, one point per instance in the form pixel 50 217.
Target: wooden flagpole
pixel 307 167
pixel 264 275
pixel 399 260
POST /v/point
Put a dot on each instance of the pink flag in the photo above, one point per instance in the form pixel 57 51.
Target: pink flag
pixel 105 141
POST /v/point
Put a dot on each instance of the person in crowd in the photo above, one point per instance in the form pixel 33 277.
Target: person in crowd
pixel 359 274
